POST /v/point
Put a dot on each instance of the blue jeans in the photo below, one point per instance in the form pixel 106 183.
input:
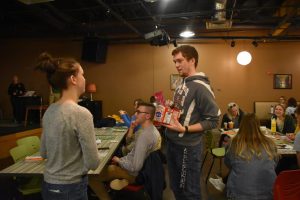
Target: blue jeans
pixel 74 191
pixel 184 164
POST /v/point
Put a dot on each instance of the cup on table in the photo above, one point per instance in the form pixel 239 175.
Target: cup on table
pixel 225 125
pixel 230 125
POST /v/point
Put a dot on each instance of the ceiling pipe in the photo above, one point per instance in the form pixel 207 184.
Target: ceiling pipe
pixel 120 18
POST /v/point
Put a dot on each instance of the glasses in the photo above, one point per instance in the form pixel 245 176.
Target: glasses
pixel 233 105
pixel 138 112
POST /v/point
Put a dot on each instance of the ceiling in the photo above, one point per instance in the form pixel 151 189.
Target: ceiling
pixel 130 20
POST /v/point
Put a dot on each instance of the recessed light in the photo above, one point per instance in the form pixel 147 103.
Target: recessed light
pixel 187 34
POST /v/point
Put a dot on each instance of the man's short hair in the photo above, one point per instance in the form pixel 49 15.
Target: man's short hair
pixel 150 108
pixel 187 52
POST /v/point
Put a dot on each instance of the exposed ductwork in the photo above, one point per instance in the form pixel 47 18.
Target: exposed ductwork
pixel 29 2
pixel 220 8
pixel 219 20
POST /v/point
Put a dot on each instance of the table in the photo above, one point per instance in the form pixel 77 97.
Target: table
pixel 40 108
pixel 284 147
pixel 21 104
pixel 110 140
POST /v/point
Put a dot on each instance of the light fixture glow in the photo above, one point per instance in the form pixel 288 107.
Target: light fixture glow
pixel 187 34
pixel 244 58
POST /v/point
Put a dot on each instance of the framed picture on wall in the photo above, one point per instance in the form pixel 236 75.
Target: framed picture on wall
pixel 282 81
pixel 175 80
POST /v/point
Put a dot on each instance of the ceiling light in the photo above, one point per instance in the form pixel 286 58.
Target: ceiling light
pixel 244 58
pixel 187 34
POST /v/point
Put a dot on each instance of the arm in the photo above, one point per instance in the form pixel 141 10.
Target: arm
pixel 130 134
pixel 289 124
pixel 126 119
pixel 224 119
pixel 134 161
pixel 298 158
pixel 43 149
pixel 87 139
pixel 208 110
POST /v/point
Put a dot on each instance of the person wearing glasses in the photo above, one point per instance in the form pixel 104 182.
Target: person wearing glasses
pixel 199 113
pixel 125 169
pixel 234 114
pixel 132 128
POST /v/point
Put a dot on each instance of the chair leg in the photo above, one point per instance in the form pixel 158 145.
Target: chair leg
pixel 211 166
pixel 26 116
pixel 203 161
pixel 220 165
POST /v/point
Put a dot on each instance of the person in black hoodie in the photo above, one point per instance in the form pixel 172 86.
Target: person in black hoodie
pixel 199 112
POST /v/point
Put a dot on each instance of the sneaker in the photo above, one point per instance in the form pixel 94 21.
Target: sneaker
pixel 217 183
pixel 118 184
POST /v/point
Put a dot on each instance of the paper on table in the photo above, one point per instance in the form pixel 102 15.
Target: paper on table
pixel 33 158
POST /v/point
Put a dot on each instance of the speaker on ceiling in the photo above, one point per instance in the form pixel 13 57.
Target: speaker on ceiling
pixel 94 50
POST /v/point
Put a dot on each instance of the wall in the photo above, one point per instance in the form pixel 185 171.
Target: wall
pixel 139 70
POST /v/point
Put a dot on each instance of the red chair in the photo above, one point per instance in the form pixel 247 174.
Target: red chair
pixel 287 185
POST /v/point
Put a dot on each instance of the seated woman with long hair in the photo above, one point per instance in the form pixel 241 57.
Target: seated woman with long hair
pixel 284 123
pixel 252 158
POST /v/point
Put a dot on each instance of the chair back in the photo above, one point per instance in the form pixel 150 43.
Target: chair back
pixel 287 185
pixel 208 140
pixel 152 176
pixel 19 152
pixel 33 142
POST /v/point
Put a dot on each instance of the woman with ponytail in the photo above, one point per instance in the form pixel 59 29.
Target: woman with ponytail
pixel 68 139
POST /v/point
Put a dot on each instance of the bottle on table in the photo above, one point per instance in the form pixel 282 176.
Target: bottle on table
pixel 273 125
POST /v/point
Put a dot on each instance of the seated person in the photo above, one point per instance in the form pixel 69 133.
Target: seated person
pixel 128 167
pixel 234 115
pixel 127 120
pixel 251 159
pixel 133 127
pixel 291 106
pixel 297 148
pixel 284 123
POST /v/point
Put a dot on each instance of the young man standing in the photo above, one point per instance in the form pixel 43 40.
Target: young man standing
pixel 199 112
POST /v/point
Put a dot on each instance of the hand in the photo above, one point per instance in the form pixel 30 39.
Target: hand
pixel 133 124
pixel 176 126
pixel 122 112
pixel 115 160
pixel 291 136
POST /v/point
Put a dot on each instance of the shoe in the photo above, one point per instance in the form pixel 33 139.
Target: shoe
pixel 217 183
pixel 118 184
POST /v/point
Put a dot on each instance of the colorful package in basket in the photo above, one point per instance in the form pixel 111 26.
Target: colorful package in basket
pixel 165 115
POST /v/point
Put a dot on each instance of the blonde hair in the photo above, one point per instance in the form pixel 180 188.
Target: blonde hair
pixel 250 141
pixel 229 108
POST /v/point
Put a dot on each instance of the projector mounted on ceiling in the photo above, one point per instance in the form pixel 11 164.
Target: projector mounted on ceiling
pixel 29 2
pixel 159 37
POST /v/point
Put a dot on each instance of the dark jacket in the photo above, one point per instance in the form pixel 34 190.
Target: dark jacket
pixel 152 176
pixel 227 119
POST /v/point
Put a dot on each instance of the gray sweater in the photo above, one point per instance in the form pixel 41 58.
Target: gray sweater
pixel 68 143
pixel 147 140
